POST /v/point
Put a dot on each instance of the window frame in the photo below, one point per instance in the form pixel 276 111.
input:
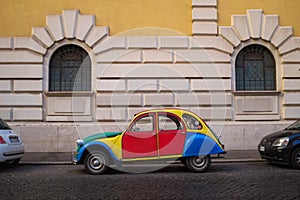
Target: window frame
pixel 79 50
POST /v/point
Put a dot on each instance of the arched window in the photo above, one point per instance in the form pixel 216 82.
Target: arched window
pixel 255 69
pixel 70 69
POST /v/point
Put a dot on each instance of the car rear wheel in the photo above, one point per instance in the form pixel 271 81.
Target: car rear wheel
pixel 198 163
pixel 96 163
pixel 295 159
pixel 13 163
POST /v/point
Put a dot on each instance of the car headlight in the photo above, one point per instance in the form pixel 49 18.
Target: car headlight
pixel 281 142
pixel 80 143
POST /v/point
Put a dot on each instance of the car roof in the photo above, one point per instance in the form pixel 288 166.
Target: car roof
pixel 165 110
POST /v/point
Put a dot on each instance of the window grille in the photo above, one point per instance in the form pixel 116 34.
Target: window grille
pixel 70 69
pixel 255 69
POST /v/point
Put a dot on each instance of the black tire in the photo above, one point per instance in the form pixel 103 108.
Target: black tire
pixel 198 163
pixel 12 163
pixel 96 162
pixel 295 158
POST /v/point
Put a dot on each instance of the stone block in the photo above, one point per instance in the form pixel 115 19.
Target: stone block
pixel 21 100
pixel 255 22
pixel 27 114
pixel 240 24
pixel 218 43
pixel 291 112
pixel 116 42
pixel 69 18
pixel 173 42
pixel 281 34
pixel 215 113
pixel 211 85
pixel 142 42
pixel 201 55
pixel 6 43
pixel 174 85
pixel 84 25
pixel 96 34
pixel 12 71
pixel 29 43
pixel 204 2
pixel 5 113
pixel 159 100
pixel 270 23
pixel 205 28
pixel 5 85
pixel 41 34
pixel 39 138
pixel 292 57
pixel 291 84
pixel 229 34
pixel 116 99
pixel 28 85
pixel 291 70
pixel 142 85
pixel 291 98
pixel 20 56
pixel 119 55
pixel 111 114
pixel 290 45
pixel 157 56
pixel 204 13
pixel 202 99
pixel 111 85
pixel 55 26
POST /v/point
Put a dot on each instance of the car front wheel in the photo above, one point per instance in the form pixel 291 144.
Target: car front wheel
pixel 295 159
pixel 198 163
pixel 95 163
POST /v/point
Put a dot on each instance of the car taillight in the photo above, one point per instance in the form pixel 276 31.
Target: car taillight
pixel 2 141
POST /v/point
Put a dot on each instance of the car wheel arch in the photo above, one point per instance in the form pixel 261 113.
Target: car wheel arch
pixel 97 147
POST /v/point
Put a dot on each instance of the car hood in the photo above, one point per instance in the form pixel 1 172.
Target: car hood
pixel 101 135
pixel 282 133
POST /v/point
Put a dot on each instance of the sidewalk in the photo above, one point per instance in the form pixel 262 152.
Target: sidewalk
pixel 65 157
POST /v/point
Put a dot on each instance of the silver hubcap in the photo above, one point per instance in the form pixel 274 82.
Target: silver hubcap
pixel 199 161
pixel 297 157
pixel 96 163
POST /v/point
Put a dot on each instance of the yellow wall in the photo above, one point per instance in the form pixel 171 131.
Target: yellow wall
pixel 288 11
pixel 172 17
pixel 129 17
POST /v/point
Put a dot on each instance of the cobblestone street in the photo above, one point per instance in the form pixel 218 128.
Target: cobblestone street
pixel 247 180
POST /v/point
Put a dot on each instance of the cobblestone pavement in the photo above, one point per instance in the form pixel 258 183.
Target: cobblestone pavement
pixel 246 180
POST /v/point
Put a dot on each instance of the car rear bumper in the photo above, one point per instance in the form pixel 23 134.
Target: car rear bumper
pixel 11 152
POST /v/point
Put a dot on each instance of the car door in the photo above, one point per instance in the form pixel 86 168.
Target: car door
pixel 171 134
pixel 140 139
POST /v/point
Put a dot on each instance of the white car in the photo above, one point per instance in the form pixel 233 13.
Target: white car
pixel 11 145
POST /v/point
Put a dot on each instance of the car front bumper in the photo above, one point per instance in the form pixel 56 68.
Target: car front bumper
pixel 271 153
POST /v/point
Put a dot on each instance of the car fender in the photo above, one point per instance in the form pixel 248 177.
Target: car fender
pixel 198 144
pixel 95 145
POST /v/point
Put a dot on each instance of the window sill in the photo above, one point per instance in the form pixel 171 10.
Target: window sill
pixel 69 94
pixel 256 93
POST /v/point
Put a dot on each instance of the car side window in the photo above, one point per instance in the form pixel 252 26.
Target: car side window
pixel 143 124
pixel 169 122
pixel 191 122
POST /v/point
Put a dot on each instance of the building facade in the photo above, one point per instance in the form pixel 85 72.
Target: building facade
pixel 71 77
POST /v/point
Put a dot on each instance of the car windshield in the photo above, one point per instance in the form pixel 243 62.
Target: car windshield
pixel 294 126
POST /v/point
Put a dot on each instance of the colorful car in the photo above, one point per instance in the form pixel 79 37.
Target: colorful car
pixel 158 135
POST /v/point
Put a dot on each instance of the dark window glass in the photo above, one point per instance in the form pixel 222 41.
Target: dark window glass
pixel 255 69
pixel 70 69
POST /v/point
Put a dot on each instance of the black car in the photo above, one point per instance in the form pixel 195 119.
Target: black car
pixel 282 146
